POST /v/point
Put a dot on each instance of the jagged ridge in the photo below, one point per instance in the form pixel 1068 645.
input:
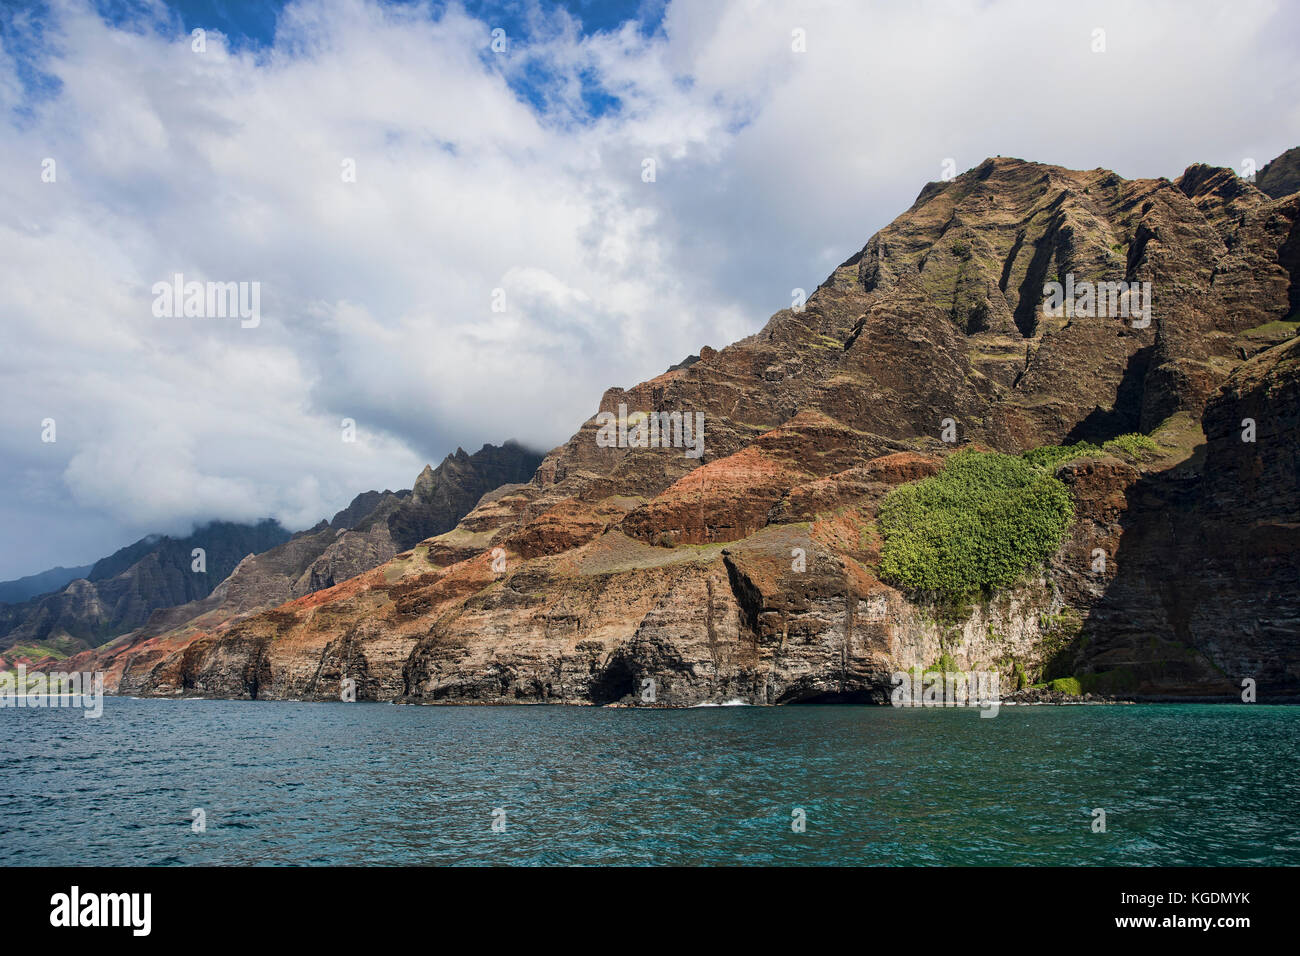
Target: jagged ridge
pixel 625 566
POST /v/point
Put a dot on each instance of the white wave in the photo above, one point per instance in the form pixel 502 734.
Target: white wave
pixel 734 702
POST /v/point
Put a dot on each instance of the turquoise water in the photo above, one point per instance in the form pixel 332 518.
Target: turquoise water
pixel 297 783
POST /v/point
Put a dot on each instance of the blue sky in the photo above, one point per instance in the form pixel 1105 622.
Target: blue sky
pixel 478 172
pixel 254 21
pixel 251 24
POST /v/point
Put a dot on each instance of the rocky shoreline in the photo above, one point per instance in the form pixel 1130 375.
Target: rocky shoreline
pixel 1024 698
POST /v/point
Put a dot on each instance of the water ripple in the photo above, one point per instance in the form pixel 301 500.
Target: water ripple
pixel 328 784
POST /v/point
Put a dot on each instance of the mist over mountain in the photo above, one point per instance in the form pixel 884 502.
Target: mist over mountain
pixel 152 585
pixel 523 174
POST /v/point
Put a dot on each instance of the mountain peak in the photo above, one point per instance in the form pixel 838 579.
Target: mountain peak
pixel 939 335
pixel 1281 176
pixel 424 483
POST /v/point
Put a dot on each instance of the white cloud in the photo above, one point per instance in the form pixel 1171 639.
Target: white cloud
pixel 772 166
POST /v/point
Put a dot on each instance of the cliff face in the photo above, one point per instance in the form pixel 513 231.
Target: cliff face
pixel 750 573
pixel 371 530
pixel 1210 556
pixel 1200 589
pixel 442 496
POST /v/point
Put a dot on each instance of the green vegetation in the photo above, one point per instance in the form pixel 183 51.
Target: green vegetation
pixel 944 665
pixel 1130 446
pixel 1066 685
pixel 1279 328
pixel 35 652
pixel 1049 456
pixel 979 524
pixel 1059 647
pixel 1065 624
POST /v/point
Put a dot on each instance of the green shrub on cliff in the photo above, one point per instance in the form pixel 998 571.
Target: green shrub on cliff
pixel 1049 456
pixel 1129 446
pixel 944 665
pixel 1066 685
pixel 979 524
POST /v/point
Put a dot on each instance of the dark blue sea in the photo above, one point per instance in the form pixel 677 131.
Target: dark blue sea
pixel 324 784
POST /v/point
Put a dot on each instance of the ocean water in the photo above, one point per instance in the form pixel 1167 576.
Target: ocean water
pixel 307 783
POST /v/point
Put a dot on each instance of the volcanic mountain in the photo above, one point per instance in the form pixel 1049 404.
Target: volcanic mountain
pixel 150 587
pixel 634 575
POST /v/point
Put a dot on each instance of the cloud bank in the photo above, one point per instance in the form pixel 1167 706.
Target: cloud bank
pixel 457 245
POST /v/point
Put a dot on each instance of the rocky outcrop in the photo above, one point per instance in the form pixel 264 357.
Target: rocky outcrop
pixel 371 530
pixel 1281 177
pixel 644 575
pixel 442 496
